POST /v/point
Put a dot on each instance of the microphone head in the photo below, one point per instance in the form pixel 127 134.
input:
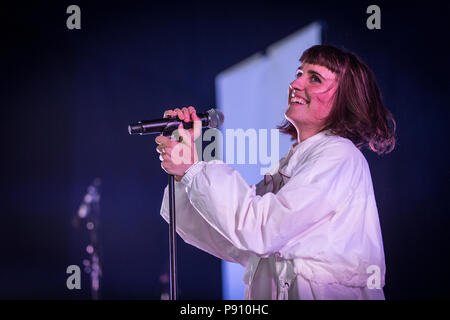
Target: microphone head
pixel 135 128
pixel 216 118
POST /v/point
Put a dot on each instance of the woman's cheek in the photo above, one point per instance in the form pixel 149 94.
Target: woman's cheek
pixel 323 107
pixel 326 101
pixel 321 112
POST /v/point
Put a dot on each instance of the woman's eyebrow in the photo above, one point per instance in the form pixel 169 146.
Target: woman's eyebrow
pixel 315 73
pixel 312 72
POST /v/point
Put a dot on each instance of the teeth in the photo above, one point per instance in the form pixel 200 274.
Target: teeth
pixel 298 100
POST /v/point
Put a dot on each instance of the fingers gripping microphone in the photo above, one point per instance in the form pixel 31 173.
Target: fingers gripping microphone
pixel 210 119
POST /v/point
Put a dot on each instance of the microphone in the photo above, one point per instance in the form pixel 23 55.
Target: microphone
pixel 212 118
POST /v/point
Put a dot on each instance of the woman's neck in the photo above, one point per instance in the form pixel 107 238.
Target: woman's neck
pixel 303 134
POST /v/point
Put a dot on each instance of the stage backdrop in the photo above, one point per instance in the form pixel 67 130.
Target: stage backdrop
pixel 253 96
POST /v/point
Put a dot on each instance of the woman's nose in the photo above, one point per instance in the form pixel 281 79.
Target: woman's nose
pixel 298 84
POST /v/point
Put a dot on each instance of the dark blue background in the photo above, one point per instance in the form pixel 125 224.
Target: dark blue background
pixel 68 96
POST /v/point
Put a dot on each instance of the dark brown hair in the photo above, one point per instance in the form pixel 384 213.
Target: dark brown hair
pixel 358 112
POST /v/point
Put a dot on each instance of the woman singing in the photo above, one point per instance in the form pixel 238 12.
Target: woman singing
pixel 310 228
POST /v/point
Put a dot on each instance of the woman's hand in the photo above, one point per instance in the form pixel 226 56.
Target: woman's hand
pixel 178 156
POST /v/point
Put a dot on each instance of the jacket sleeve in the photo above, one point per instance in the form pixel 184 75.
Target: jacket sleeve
pixel 264 224
pixel 194 230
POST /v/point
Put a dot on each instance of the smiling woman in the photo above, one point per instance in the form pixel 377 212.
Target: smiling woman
pixel 311 98
pixel 310 228
pixel 343 97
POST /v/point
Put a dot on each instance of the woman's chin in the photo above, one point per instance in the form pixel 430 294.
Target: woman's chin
pixel 291 113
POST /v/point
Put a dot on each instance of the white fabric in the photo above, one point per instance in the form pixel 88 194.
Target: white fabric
pixel 308 230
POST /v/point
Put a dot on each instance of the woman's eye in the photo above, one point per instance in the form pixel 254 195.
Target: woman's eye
pixel 315 79
pixel 299 74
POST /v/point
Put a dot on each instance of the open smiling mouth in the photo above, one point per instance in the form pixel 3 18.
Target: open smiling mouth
pixel 298 100
pixel 294 97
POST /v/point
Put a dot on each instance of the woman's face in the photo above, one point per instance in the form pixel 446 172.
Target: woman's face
pixel 311 96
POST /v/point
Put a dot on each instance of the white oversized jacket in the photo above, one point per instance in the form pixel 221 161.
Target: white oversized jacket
pixel 308 230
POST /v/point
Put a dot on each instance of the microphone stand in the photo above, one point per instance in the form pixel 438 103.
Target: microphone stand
pixel 172 228
pixel 172 240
